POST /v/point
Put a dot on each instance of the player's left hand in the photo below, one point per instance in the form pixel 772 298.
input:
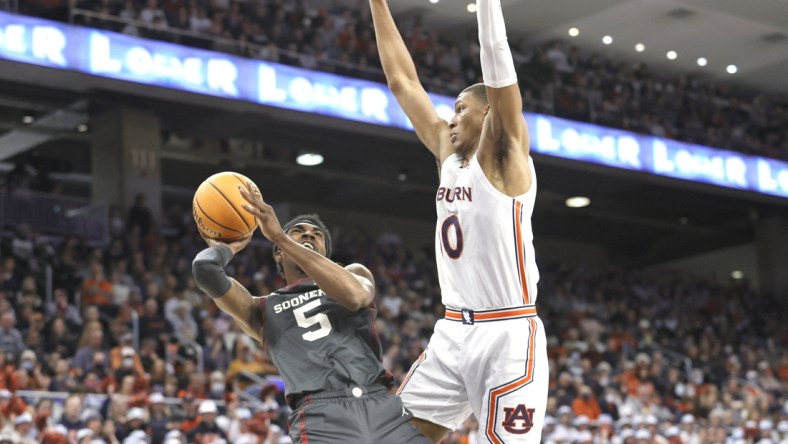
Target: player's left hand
pixel 264 213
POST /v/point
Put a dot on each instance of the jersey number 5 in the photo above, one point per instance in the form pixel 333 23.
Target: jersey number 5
pixel 305 321
pixel 454 251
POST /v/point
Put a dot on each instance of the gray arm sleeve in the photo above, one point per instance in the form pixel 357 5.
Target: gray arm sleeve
pixel 208 270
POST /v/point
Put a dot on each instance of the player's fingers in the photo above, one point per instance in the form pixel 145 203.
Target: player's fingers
pixel 246 195
pixel 253 210
pixel 253 190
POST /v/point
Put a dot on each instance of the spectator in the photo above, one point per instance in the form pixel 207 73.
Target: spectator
pixel 62 309
pixel 586 404
pixel 183 324
pixel 139 215
pixel 91 357
pixel 125 358
pixel 11 341
pixel 136 422
pixel 207 429
pixel 97 289
pixel 24 433
pixel 195 388
pixel 85 436
pixel 153 325
pixel 151 13
pixel 72 412
pixel 159 417
pixel 246 362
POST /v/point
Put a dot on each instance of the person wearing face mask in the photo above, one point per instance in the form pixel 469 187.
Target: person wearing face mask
pixel 28 360
pixel 124 356
pixel 127 365
pixel 217 385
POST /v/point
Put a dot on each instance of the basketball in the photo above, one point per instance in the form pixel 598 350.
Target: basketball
pixel 218 208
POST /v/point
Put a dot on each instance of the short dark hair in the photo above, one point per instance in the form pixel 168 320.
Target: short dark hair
pixel 313 219
pixel 479 91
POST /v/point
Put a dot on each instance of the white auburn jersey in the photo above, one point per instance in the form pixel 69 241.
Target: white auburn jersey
pixel 483 240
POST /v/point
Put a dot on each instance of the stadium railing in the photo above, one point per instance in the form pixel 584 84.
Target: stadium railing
pixel 55 214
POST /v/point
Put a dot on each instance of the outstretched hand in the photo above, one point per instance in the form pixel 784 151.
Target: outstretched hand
pixel 264 213
pixel 235 246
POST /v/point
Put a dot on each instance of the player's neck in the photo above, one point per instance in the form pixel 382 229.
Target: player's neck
pixel 466 154
pixel 295 278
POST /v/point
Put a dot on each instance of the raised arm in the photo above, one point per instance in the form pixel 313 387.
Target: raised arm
pixel 353 287
pixel 505 126
pixel 403 80
pixel 227 293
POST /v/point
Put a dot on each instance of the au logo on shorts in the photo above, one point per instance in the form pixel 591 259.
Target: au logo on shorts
pixel 519 420
pixel 467 317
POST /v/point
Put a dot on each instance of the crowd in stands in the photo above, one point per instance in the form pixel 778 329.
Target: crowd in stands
pixel 635 357
pixel 555 78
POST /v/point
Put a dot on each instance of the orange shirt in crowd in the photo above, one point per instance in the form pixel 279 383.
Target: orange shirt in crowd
pixel 588 408
pixel 116 360
pixel 92 297
pixel 15 407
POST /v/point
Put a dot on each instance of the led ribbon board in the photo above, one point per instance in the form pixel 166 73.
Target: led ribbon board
pixel 122 57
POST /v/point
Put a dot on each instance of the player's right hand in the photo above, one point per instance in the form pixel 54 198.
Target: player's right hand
pixel 265 214
pixel 235 247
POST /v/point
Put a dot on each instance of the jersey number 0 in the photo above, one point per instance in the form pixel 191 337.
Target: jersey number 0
pixel 453 251
pixel 305 321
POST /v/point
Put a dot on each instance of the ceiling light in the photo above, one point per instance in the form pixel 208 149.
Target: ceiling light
pixel 28 118
pixel 607 40
pixel 309 159
pixel 640 47
pixel 702 61
pixel 471 7
pixel 82 128
pixel 574 32
pixel 434 1
pixel 578 202
pixel 672 55
pixel 737 274
pixel 732 69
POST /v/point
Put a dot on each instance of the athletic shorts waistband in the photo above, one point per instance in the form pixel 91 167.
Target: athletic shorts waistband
pixel 356 391
pixel 470 317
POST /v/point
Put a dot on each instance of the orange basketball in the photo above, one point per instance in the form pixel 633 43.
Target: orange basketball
pixel 218 208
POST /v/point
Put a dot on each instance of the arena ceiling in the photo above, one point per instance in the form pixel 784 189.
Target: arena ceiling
pixel 751 34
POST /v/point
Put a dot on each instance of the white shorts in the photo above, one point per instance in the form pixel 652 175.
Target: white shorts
pixel 496 369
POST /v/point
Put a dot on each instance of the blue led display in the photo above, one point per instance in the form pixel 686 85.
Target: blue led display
pixel 117 56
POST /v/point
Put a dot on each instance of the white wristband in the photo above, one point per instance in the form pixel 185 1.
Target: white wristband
pixel 496 57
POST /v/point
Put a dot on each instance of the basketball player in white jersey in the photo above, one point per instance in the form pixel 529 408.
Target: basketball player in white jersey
pixel 488 356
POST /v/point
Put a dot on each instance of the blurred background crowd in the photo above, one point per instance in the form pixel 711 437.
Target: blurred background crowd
pixel 635 356
pixel 555 78
pixel 113 343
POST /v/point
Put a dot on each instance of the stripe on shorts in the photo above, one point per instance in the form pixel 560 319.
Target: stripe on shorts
pixel 511 386
pixel 412 370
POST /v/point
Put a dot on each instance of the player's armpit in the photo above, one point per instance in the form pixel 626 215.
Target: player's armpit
pixel 244 308
pixel 507 129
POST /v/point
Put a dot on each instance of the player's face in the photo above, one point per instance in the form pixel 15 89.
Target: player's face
pixel 466 125
pixel 307 235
